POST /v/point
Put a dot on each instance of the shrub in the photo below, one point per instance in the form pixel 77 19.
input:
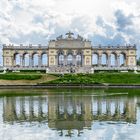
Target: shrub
pixel 19 77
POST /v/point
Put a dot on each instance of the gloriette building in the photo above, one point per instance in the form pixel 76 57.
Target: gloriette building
pixel 69 54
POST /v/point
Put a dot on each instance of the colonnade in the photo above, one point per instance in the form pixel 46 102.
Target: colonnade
pixel 109 60
pixel 27 60
pixel 36 60
pixel 70 59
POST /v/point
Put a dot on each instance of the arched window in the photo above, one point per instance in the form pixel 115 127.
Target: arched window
pixel 44 59
pixel 26 60
pixel 94 59
pixel 69 59
pixel 104 59
pixel 122 59
pixel 17 59
pixel 61 59
pixel 35 59
pixel 113 59
pixel 79 59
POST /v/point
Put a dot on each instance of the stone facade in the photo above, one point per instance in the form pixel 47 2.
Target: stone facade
pixel 65 54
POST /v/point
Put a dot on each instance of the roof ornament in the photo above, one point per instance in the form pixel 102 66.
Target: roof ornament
pixel 79 37
pixel 69 34
pixel 59 37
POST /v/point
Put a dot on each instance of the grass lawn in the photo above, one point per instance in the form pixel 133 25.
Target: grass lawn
pixel 97 78
pixel 25 79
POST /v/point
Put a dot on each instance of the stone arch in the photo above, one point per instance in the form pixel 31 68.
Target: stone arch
pixel 70 52
pixel 122 59
pixel 104 58
pixel 79 59
pixel 17 59
pixel 113 58
pixel 26 59
pixel 69 59
pixel 35 57
pixel 60 51
pixel 44 59
pixel 61 59
pixel 79 52
pixel 95 58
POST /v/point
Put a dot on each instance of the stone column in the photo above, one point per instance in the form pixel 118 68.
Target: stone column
pixel 126 61
pixel 39 61
pixel 109 60
pixel 30 61
pixel 14 61
pixel 74 60
pixel 118 61
pixel 21 60
pixel 99 60
pixel 56 60
pixel 65 60
pixel 83 60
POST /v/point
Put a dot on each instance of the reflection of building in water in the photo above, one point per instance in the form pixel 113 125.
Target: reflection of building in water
pixel 69 112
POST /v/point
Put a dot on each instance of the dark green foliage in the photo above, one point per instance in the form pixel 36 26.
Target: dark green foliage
pixel 38 71
pixel 19 77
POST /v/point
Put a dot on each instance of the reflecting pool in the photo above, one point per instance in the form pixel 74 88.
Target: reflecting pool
pixel 70 114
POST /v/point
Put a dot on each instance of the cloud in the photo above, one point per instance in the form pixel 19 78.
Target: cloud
pixel 37 21
pixel 122 20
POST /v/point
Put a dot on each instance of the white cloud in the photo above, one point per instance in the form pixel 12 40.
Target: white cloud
pixel 48 18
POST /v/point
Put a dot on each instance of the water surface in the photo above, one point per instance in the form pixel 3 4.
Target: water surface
pixel 70 114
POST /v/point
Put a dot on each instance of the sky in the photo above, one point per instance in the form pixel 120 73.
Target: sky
pixel 101 21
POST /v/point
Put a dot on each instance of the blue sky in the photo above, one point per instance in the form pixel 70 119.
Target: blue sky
pixel 102 21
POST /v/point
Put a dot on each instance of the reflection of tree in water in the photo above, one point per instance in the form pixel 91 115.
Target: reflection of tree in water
pixel 69 112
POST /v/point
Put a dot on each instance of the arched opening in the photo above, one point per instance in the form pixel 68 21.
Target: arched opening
pixel 122 59
pixel 113 59
pixel 95 58
pixel 35 59
pixel 26 60
pixel 104 59
pixel 79 60
pixel 61 59
pixel 44 59
pixel 69 59
pixel 17 59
